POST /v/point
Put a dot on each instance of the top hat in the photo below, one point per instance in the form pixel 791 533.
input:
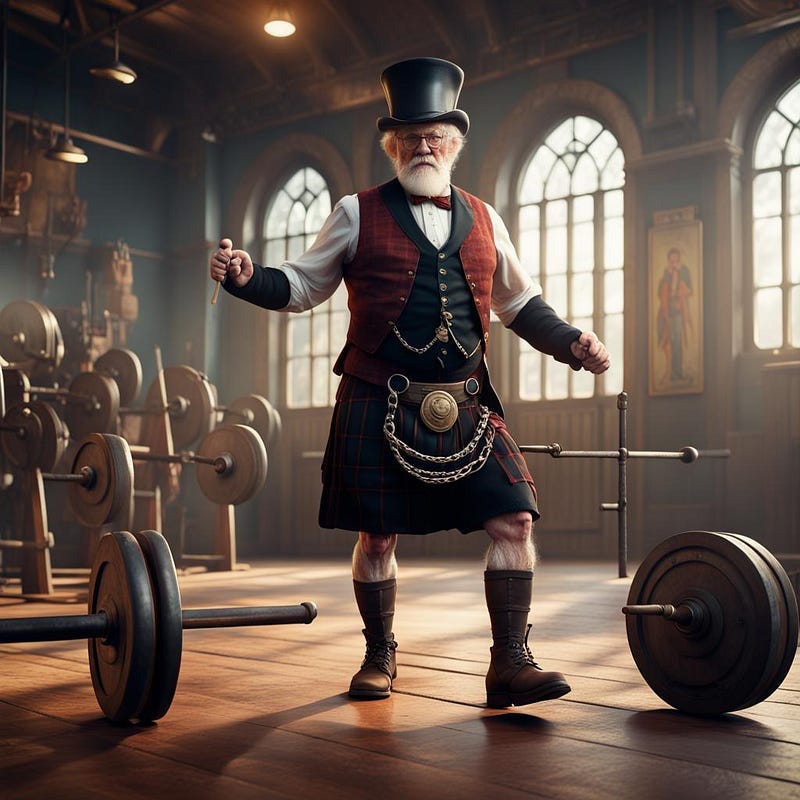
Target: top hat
pixel 421 90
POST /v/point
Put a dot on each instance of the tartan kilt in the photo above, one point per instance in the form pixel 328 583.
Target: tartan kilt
pixel 365 489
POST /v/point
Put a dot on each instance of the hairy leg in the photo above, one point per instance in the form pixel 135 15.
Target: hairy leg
pixel 374 557
pixel 511 547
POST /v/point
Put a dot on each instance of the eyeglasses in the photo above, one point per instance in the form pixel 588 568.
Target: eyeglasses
pixel 412 141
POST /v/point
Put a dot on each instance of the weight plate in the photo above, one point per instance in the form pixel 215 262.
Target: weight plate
pixel 124 367
pixel 787 609
pixel 169 623
pixel 26 333
pixel 16 385
pixel 122 664
pixel 256 412
pixel 93 405
pixel 38 439
pixel 246 472
pixel 108 497
pixel 719 666
pixel 190 398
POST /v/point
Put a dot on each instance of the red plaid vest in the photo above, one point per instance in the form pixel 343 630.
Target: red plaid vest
pixel 380 276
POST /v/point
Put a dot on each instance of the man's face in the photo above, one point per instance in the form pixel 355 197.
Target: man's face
pixel 424 156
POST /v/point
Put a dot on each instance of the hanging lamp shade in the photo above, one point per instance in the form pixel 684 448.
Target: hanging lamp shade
pixel 280 23
pixel 64 148
pixel 115 70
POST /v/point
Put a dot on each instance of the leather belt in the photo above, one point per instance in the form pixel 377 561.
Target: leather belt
pixel 413 392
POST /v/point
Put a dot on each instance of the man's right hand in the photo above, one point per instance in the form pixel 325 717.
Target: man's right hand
pixel 229 263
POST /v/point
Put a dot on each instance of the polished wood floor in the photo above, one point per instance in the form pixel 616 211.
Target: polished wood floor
pixel 263 712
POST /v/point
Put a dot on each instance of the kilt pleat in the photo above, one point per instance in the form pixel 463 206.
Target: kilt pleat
pixel 365 489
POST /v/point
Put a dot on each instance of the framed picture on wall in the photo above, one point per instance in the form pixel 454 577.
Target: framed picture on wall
pixel 676 303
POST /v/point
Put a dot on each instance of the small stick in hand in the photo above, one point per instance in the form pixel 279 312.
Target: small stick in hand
pixel 216 289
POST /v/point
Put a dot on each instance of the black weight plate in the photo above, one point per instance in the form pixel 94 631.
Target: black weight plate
pixel 38 439
pixel 93 405
pixel 719 668
pixel 122 664
pixel 125 368
pixel 26 332
pixel 169 623
pixel 17 386
pixel 110 494
pixel 248 470
pixel 786 608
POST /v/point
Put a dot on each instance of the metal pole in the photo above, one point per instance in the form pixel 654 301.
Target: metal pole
pixel 622 490
pixel 248 615
pixel 54 629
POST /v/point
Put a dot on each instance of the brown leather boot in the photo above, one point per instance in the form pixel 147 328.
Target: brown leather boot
pixel 514 678
pixel 379 668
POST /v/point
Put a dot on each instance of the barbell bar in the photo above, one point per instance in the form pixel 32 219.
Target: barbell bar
pixel 135 623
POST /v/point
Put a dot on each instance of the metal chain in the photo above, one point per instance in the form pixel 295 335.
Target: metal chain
pixel 443 333
pixel 482 430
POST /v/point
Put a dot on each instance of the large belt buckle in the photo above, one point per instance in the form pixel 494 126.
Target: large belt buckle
pixel 439 411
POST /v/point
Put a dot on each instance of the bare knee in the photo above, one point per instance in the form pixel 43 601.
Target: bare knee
pixel 375 545
pixel 516 526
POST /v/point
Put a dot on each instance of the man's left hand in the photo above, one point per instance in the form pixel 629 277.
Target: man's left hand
pixel 591 352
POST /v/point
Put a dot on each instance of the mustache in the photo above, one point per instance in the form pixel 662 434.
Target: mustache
pixel 420 160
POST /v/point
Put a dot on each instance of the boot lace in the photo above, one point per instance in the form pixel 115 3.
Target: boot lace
pixel 379 654
pixel 520 653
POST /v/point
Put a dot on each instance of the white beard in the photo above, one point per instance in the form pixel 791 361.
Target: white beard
pixel 430 180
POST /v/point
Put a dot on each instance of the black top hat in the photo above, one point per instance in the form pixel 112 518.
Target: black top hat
pixel 421 90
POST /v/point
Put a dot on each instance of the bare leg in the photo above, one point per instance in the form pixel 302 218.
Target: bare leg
pixel 512 542
pixel 374 557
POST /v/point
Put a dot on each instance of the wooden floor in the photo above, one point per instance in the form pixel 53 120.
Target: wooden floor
pixel 263 712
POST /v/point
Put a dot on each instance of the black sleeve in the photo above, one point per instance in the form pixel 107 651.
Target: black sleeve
pixel 268 288
pixel 539 325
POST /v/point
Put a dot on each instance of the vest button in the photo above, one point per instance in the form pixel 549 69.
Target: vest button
pixel 442 256
pixel 445 301
pixel 411 273
pixel 442 271
pixel 443 287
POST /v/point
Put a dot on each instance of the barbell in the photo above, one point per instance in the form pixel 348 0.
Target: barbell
pixel 232 461
pixel 91 401
pixel 135 623
pixel 712 622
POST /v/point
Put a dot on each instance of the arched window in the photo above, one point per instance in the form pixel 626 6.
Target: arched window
pixel 313 337
pixel 570 201
pixel 776 226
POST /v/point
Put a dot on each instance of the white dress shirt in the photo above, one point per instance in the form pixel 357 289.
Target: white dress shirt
pixel 316 274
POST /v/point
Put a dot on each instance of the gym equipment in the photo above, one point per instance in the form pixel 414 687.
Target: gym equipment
pixel 686 455
pixel 135 624
pixel 712 622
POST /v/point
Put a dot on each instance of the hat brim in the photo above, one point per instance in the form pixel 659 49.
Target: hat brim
pixel 458 117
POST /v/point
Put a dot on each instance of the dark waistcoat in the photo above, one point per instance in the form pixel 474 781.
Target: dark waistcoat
pixel 399 278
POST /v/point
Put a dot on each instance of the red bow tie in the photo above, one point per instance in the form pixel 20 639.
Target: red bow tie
pixel 441 202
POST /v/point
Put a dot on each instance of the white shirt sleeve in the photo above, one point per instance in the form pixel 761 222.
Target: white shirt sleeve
pixel 316 274
pixel 512 287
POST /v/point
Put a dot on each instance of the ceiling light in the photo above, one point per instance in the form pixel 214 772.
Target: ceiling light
pixel 280 23
pixel 64 149
pixel 116 70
